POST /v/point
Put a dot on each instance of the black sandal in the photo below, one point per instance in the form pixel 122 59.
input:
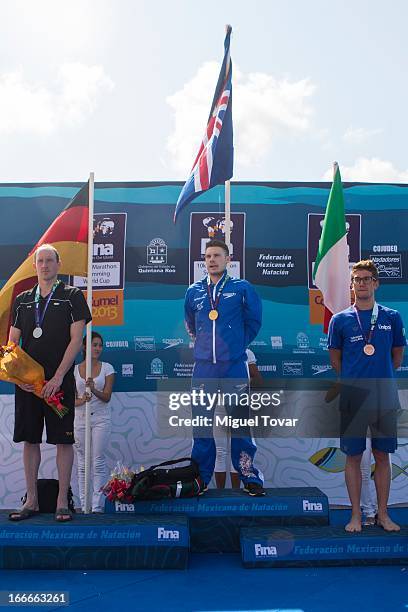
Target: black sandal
pixel 63 515
pixel 23 514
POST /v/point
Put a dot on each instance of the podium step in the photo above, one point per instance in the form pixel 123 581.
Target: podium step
pixel 95 542
pixel 321 546
pixel 217 517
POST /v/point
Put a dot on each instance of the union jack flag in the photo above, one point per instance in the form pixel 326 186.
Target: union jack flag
pixel 214 162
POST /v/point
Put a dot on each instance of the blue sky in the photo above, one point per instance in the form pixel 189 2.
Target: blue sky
pixel 123 88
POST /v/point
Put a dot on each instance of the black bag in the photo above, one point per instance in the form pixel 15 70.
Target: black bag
pixel 47 489
pixel 158 482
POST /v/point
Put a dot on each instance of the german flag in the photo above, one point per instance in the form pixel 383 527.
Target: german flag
pixel 69 235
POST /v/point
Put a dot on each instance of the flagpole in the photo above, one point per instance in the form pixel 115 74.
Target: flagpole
pixel 228 184
pixel 228 213
pixel 88 358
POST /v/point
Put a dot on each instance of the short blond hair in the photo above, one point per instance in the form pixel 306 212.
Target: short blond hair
pixel 46 247
pixel 365 264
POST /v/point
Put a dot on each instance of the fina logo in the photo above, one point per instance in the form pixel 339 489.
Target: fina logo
pixel 167 534
pixel 120 507
pixel 312 506
pixel 265 551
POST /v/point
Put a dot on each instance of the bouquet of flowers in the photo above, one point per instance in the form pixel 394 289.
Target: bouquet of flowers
pixel 119 485
pixel 17 367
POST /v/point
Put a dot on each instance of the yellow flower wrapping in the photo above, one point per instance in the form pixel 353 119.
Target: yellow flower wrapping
pixel 17 367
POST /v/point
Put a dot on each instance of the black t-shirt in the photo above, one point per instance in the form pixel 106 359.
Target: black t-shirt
pixel 66 306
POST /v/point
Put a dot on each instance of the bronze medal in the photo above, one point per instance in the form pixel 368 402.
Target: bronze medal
pixel 213 314
pixel 369 349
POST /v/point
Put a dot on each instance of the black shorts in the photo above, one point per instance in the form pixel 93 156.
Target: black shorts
pixel 31 411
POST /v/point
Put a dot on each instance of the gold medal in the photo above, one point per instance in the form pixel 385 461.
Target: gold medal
pixel 213 314
pixel 369 349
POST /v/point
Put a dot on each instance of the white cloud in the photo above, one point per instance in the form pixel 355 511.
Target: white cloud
pixel 358 136
pixel 372 170
pixel 263 108
pixel 27 107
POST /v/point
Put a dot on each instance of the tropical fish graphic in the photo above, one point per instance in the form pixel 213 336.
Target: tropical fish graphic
pixel 332 459
pixel 396 470
pixel 329 459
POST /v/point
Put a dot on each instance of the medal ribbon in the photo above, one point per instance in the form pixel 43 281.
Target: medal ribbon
pixel 374 317
pixel 39 319
pixel 220 290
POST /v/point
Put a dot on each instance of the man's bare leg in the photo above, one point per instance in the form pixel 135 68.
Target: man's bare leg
pixel 65 459
pixel 353 482
pixel 382 479
pixel 31 461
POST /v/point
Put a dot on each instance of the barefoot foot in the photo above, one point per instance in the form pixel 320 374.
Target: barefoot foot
pixel 354 526
pixel 387 524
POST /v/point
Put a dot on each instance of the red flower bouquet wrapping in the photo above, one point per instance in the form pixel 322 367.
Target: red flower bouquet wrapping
pixel 119 485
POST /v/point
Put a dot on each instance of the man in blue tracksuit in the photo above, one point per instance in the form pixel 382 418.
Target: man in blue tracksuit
pixel 223 315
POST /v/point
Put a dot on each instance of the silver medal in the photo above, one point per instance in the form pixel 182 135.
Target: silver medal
pixel 37 333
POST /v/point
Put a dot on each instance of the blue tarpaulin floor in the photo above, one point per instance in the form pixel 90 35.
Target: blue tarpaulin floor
pixel 218 582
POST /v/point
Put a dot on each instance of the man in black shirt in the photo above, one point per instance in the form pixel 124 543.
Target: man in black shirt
pixel 49 320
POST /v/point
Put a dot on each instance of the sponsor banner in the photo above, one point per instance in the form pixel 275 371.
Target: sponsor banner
pixel 144 343
pixel 389 266
pixel 316 306
pixel 157 370
pixel 127 370
pixel 277 267
pixel 276 342
pixel 208 226
pixel 108 262
pixel 330 546
pixel 171 342
pixel 320 369
pixel 292 368
pixel 280 241
pixel 303 344
pixel 183 370
pixel 162 506
pixel 117 344
pixel 155 263
pixel 123 534
pixel 107 308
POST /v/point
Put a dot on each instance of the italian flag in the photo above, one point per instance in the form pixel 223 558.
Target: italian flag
pixel 331 270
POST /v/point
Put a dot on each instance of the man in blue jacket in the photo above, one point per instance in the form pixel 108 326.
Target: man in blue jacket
pixel 223 315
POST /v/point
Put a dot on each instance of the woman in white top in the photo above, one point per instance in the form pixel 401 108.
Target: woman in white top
pixel 101 385
pixel 223 439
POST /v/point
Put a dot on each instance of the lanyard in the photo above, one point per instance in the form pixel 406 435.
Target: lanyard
pixel 39 319
pixel 374 317
pixel 220 290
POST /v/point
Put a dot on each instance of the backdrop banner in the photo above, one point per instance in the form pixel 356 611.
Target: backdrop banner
pixel 143 264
